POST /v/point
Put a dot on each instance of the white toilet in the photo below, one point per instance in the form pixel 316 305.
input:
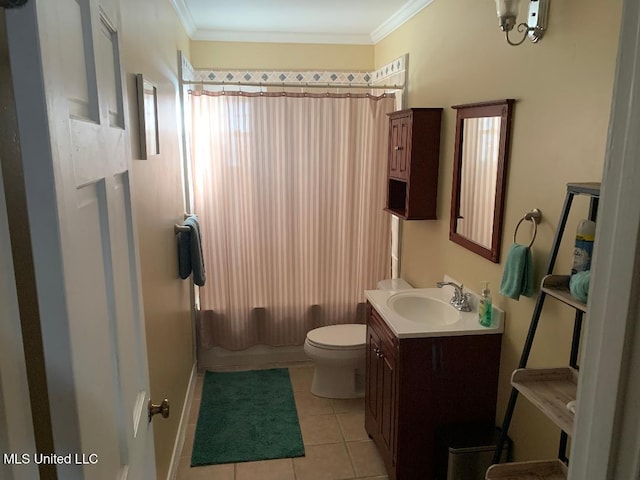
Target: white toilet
pixel 339 353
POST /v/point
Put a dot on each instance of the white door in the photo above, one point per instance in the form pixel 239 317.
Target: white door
pixel 68 85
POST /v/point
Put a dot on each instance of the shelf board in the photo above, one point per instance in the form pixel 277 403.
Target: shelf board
pixel 537 470
pixel 589 188
pixel 549 389
pixel 557 286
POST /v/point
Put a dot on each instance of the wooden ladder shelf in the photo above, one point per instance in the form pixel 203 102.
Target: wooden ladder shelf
pixel 549 389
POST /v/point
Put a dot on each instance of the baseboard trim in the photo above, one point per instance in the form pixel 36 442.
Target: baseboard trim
pixel 182 426
pixel 262 355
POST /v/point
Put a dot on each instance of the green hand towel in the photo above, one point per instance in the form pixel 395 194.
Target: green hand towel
pixel 517 277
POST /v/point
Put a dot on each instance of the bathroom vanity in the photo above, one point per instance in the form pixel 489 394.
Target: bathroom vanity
pixel 424 374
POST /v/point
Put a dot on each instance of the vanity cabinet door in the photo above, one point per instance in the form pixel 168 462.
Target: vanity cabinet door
pixel 381 387
pixel 387 367
pixel 417 415
pixel 467 379
pixel 372 383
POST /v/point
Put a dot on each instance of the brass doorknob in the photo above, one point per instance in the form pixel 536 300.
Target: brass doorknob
pixel 163 409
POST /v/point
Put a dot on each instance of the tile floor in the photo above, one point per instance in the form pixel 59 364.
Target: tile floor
pixel 336 444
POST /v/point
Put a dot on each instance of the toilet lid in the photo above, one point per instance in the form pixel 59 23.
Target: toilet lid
pixel 339 336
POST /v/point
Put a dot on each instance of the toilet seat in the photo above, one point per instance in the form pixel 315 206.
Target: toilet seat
pixel 339 337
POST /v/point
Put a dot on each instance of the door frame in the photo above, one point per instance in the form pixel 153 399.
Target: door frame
pixel 606 444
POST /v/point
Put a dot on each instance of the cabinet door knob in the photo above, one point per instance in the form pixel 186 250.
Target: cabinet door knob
pixel 397 147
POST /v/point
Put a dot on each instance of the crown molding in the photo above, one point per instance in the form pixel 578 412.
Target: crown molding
pixel 280 37
pixel 398 18
pixel 388 26
pixel 185 17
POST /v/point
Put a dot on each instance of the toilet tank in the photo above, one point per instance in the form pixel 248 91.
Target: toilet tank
pixel 393 284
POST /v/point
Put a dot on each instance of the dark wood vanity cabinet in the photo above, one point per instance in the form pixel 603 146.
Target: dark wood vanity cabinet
pixel 414 155
pixel 416 386
pixel 380 411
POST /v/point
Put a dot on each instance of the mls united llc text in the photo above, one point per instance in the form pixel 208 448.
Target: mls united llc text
pixel 49 459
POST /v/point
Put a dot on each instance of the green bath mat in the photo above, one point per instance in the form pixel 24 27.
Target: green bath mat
pixel 246 416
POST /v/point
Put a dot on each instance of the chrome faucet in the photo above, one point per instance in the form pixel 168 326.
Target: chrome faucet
pixel 460 300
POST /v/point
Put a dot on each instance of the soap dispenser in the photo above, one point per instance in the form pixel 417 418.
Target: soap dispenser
pixel 484 306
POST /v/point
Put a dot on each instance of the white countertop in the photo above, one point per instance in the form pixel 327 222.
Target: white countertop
pixel 404 328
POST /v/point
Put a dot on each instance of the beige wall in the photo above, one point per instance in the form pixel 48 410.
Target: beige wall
pixel 563 88
pixel 151 38
pixel 265 56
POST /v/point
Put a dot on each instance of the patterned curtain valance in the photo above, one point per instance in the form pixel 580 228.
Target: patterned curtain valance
pixel 310 77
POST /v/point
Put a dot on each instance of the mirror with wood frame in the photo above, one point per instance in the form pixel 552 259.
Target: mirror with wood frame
pixel 479 176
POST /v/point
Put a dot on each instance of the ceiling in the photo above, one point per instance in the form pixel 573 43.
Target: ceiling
pixel 362 22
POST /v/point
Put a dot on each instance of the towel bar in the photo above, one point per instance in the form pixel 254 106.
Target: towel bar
pixel 533 216
pixel 181 228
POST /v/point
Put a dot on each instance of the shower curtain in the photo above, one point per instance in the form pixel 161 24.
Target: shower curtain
pixel 290 191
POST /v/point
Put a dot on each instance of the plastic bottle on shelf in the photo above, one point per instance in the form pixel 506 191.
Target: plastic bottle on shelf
pixel 583 249
pixel 484 306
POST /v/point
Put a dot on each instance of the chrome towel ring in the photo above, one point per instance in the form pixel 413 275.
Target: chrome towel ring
pixel 533 216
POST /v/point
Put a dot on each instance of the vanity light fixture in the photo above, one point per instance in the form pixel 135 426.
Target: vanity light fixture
pixel 536 23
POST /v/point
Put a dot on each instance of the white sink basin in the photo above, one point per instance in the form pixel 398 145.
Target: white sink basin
pixel 421 308
pixel 426 312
